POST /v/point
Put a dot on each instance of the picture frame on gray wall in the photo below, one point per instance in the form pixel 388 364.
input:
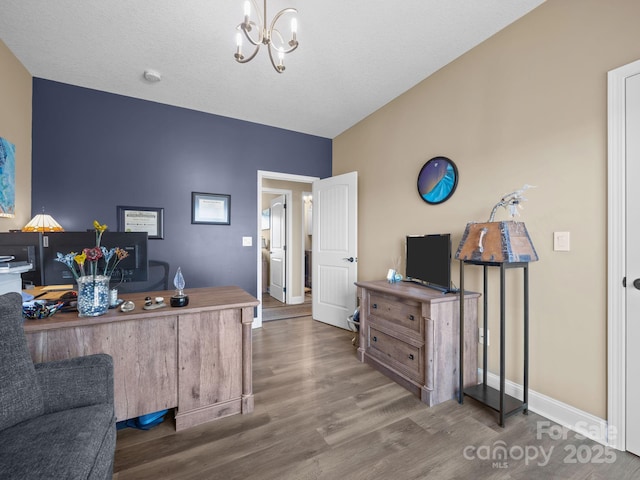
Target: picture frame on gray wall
pixel 142 219
pixel 210 208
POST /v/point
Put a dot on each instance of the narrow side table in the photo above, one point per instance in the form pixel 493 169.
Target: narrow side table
pixel 498 400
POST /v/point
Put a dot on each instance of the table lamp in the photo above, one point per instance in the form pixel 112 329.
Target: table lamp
pixel 498 242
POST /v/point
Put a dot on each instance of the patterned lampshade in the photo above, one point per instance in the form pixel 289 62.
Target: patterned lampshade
pixel 496 242
pixel 42 222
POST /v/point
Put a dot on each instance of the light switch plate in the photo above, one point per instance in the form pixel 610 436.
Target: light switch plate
pixel 247 241
pixel 561 242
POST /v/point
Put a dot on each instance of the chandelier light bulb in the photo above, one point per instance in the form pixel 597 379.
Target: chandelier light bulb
pixel 280 67
pixel 238 54
pixel 247 11
pixel 294 32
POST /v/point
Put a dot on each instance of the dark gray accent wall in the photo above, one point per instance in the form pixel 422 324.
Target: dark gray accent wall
pixel 94 150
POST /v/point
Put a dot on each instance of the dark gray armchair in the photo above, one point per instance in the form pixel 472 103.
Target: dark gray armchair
pixel 56 419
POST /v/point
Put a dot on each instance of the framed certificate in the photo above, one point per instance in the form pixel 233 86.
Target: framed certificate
pixel 210 208
pixel 142 219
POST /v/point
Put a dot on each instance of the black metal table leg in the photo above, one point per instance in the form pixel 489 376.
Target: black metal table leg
pixel 485 326
pixel 526 340
pixel 502 344
pixel 461 352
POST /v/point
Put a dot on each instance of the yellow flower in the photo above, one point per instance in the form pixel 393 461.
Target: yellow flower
pixel 99 228
pixel 121 254
pixel 80 258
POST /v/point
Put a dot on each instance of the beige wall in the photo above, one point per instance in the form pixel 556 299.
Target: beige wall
pixel 529 105
pixel 15 126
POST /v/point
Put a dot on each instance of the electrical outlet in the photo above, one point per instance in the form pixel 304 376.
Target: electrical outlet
pixel 481 336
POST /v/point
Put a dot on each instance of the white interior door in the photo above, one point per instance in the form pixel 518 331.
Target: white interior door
pixel 633 263
pixel 334 248
pixel 277 251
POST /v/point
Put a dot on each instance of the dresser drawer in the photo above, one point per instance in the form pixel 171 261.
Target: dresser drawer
pixel 405 313
pixel 403 356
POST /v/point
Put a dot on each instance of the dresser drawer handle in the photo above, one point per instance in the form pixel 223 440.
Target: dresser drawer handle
pixel 411 356
pixel 374 306
pixel 411 317
pixel 375 339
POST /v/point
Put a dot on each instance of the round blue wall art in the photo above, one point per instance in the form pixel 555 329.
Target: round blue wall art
pixel 437 180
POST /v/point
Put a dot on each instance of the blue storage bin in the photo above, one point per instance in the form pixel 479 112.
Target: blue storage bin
pixel 143 422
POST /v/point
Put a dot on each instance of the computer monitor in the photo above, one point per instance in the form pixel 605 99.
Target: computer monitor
pixel 40 249
pixel 133 268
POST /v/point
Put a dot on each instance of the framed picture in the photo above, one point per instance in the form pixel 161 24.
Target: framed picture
pixel 142 219
pixel 266 219
pixel 437 180
pixel 7 179
pixel 210 208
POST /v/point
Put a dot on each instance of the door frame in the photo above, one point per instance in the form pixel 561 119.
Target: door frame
pixel 616 255
pixel 289 177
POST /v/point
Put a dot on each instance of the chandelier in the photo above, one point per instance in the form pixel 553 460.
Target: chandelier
pixel 258 34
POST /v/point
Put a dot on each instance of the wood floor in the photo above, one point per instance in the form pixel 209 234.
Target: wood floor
pixel 321 414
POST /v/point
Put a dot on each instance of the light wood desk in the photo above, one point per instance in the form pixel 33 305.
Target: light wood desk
pixel 195 358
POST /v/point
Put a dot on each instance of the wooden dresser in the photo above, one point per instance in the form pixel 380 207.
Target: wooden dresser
pixel 411 333
pixel 195 358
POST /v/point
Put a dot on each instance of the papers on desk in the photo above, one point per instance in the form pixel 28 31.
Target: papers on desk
pixel 57 288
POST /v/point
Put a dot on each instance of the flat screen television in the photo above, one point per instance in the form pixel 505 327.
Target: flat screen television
pixel 428 260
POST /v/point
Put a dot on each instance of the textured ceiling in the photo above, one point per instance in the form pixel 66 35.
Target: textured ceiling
pixel 354 56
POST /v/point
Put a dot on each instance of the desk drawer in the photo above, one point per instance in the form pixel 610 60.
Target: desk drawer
pixel 405 313
pixel 400 355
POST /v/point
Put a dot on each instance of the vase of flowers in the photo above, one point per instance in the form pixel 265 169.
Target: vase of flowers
pixel 92 269
pixel 93 295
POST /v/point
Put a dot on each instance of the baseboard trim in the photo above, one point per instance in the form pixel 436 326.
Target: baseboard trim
pixel 561 413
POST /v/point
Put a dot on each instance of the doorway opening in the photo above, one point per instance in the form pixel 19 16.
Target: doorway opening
pixel 297 240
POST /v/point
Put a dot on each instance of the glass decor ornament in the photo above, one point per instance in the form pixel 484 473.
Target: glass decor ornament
pixel 179 299
pixel 93 295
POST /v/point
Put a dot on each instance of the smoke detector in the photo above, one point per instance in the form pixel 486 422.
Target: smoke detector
pixel 152 76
